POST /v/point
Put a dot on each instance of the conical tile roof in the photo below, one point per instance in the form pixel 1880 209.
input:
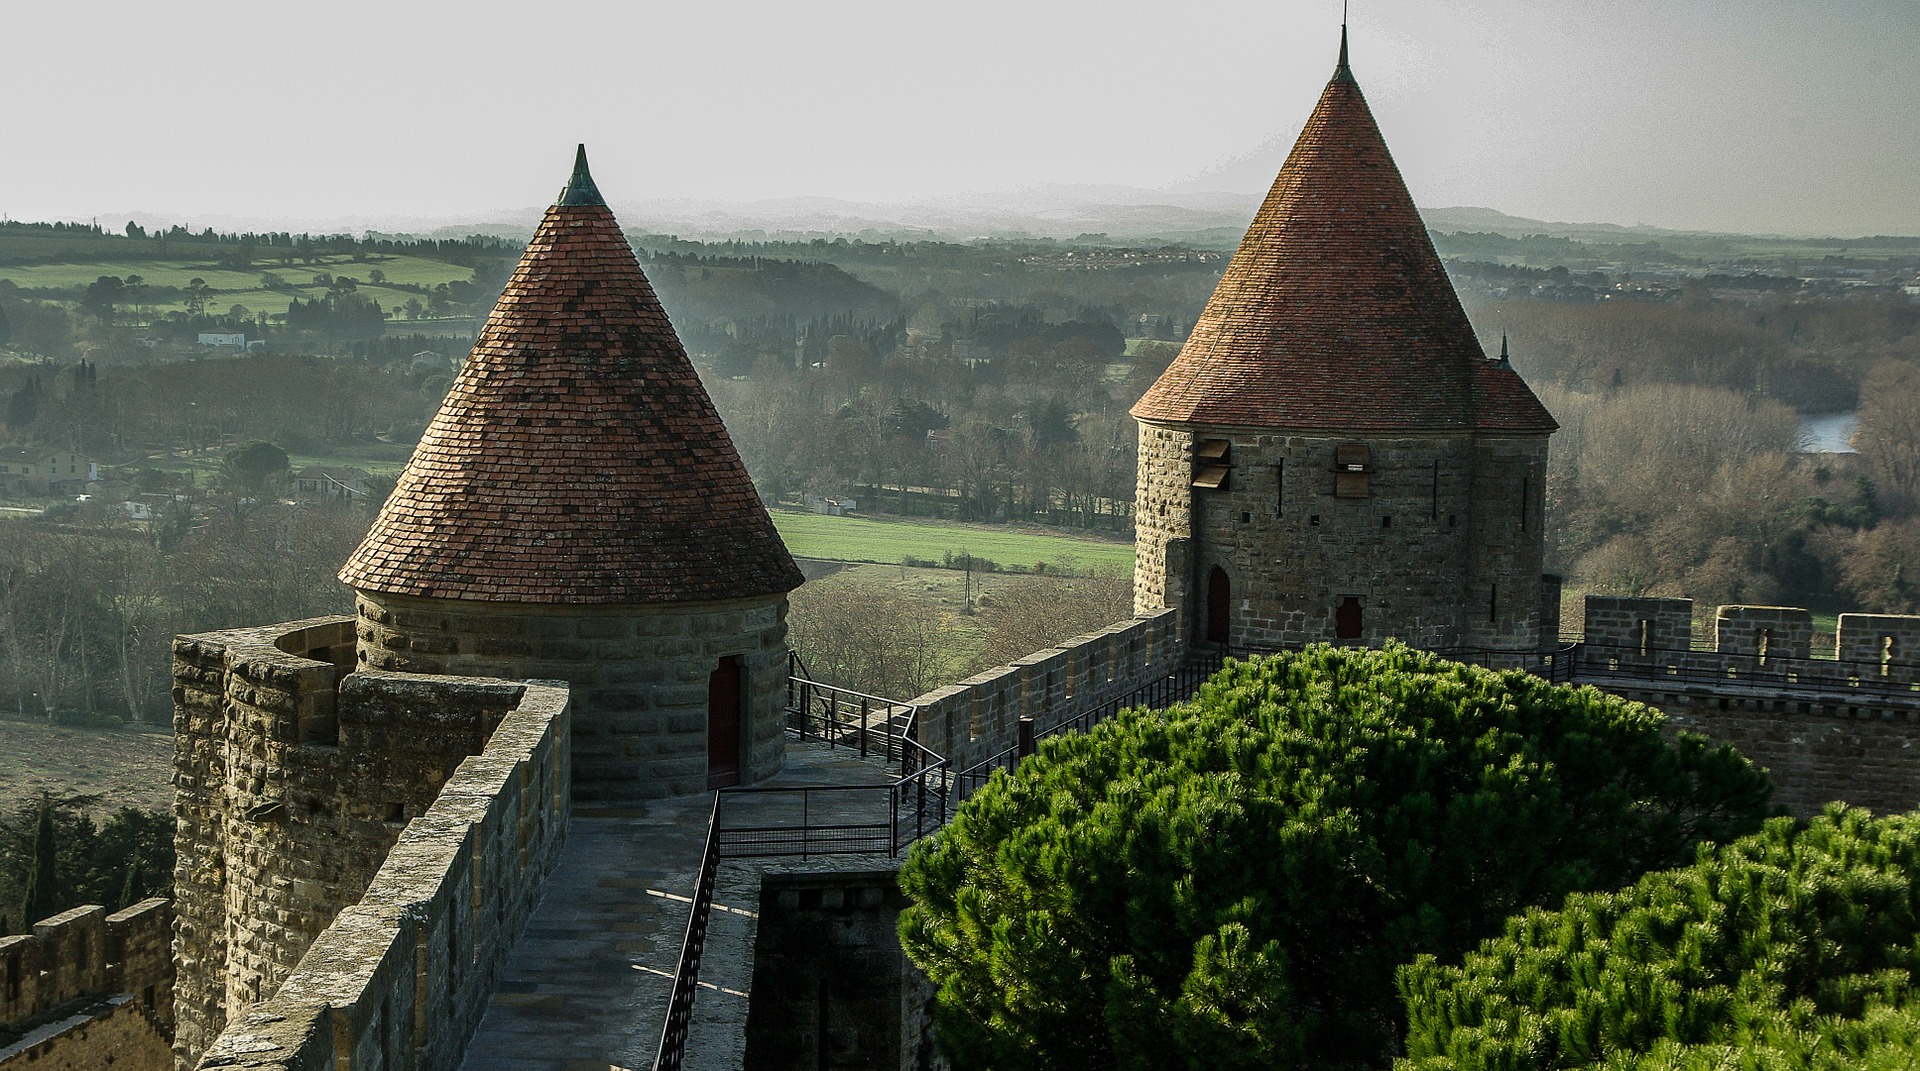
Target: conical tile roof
pixel 1335 312
pixel 577 458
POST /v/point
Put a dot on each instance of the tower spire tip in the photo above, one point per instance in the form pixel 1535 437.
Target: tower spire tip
pixel 580 189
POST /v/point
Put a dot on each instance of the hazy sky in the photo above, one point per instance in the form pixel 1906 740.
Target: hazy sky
pixel 1752 115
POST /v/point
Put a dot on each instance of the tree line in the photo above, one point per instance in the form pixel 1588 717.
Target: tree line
pixel 54 857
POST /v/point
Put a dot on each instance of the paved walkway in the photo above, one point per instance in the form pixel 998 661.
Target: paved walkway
pixel 587 985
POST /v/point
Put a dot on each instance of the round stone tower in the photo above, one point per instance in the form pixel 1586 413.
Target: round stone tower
pixel 1332 456
pixel 576 511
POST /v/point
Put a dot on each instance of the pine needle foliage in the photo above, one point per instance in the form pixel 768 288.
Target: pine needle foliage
pixel 1797 947
pixel 1232 882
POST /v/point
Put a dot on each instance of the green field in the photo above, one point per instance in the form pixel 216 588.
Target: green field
pixel 244 287
pixel 859 539
pixel 114 767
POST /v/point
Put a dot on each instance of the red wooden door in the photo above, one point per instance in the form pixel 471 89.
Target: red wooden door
pixel 723 724
pixel 1219 605
pixel 1346 620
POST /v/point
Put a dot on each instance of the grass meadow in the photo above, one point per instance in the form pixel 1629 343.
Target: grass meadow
pixel 864 539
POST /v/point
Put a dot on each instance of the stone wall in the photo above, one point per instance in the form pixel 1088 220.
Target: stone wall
pixel 832 990
pixel 978 717
pixel 1883 645
pixel 291 786
pixel 1506 553
pixel 1826 728
pixel 118 1033
pixel 1866 752
pixel 1765 632
pixel 1163 522
pixel 1435 539
pixel 639 675
pixel 400 979
pixel 87 953
pixel 1636 629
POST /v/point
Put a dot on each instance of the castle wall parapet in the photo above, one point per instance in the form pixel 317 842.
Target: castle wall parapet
pixel 87 952
pixel 1759 645
pixel 979 716
pixel 400 979
pixel 293 781
pixel 1840 724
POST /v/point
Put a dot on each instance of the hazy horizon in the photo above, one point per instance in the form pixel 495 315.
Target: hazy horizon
pixel 1754 117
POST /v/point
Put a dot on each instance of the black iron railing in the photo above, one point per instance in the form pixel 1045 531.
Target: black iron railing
pixel 686 977
pixel 814 820
pixel 879 728
pixel 1164 691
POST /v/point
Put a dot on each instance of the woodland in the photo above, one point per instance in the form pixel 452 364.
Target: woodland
pixel 984 382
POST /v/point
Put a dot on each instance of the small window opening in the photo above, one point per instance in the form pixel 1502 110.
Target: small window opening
pixel 1386 522
pixel 396 812
pixel 1646 637
pixel 1433 510
pixel 1493 602
pixel 1352 466
pixel 1245 517
pixel 1766 644
pixel 1279 486
pixel 1212 461
pixel 1526 496
pixel 1886 656
pixel 1451 519
pixel 1314 520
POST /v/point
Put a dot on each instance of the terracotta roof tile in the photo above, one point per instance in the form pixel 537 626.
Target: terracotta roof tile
pixel 1335 311
pixel 576 458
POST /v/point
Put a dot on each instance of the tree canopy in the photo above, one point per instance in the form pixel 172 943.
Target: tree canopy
pixel 1233 881
pixel 1797 947
pixel 253 466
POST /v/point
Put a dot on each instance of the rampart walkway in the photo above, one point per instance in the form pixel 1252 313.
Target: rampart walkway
pixel 587 985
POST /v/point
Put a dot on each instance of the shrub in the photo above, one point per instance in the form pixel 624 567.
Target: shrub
pixel 1232 882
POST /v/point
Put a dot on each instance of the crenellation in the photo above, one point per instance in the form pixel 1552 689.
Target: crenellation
pixel 400 976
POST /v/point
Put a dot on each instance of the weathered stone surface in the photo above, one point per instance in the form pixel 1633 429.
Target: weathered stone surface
pixel 1438 543
pixel 636 671
pixel 86 985
pixel 294 782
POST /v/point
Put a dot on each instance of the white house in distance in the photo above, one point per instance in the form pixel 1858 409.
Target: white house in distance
pixel 30 471
pixel 332 481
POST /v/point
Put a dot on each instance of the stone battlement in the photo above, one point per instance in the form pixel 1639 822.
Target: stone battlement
pixel 87 952
pixel 978 717
pixel 1878 651
pixel 294 778
pixel 399 980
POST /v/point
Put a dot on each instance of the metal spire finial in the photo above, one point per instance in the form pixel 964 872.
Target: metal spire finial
pixel 1505 361
pixel 580 188
pixel 1343 73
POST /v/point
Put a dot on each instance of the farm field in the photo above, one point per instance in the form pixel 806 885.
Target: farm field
pixel 120 768
pixel 244 287
pixel 862 539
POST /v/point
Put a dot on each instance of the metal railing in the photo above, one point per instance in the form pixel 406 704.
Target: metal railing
pixel 811 820
pixel 1172 688
pixel 877 727
pixel 1822 676
pixel 686 977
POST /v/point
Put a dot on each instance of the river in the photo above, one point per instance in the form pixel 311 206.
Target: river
pixel 1830 433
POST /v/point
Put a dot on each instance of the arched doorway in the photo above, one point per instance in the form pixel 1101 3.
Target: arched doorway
pixel 1219 605
pixel 1346 619
pixel 723 724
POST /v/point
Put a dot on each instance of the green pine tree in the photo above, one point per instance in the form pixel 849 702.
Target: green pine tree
pixel 134 889
pixel 43 896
